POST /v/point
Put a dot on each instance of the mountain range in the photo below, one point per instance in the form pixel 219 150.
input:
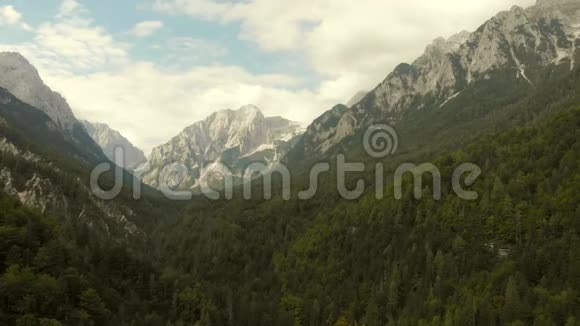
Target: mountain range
pixel 505 97
pixel 519 44
pixel 522 45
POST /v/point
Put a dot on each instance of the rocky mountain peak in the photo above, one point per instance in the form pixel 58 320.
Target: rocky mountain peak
pixel 251 110
pixel 356 98
pixel 442 45
pixel 21 79
pixel 518 42
pixel 553 3
pixel 228 136
pixel 459 38
pixel 109 139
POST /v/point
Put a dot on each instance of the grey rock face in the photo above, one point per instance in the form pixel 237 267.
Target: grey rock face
pixel 21 79
pixel 552 3
pixel 323 129
pixel 356 98
pixel 520 40
pixel 226 138
pixel 43 194
pixel 109 139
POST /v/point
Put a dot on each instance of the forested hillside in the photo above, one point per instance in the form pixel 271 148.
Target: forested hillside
pixel 56 272
pixel 509 257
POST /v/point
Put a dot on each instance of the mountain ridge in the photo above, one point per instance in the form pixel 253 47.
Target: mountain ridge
pixel 20 78
pixel 229 137
pixel 109 139
pixel 522 42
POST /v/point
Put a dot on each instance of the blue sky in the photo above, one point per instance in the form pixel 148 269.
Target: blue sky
pixel 149 68
pixel 119 17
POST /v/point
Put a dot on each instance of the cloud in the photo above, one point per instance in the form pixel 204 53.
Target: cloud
pixel 69 7
pixel 72 44
pixel 352 44
pixel 9 15
pixel 146 28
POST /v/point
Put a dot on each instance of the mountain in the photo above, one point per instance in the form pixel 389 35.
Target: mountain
pixel 54 227
pixel 46 171
pixel 47 165
pixel 356 98
pixel 22 80
pixel 523 48
pixel 232 138
pixel 109 139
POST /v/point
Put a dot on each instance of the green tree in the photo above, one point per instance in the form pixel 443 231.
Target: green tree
pixel 91 302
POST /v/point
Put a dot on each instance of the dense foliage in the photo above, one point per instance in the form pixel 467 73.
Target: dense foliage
pixel 511 257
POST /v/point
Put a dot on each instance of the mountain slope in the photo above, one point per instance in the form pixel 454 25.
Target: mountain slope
pixel 506 258
pixel 409 261
pixel 356 98
pixel 232 138
pixel 520 47
pixel 22 80
pixel 109 139
pixel 27 126
pixel 43 168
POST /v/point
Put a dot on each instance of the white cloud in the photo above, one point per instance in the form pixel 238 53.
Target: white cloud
pixel 146 28
pixel 353 44
pixel 26 27
pixel 9 15
pixel 72 44
pixel 69 7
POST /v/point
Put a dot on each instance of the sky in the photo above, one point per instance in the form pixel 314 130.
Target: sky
pixel 150 68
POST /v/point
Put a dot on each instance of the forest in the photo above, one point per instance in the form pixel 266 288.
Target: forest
pixel 508 258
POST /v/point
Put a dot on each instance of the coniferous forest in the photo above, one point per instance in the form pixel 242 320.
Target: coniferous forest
pixel 510 257
pixel 411 250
